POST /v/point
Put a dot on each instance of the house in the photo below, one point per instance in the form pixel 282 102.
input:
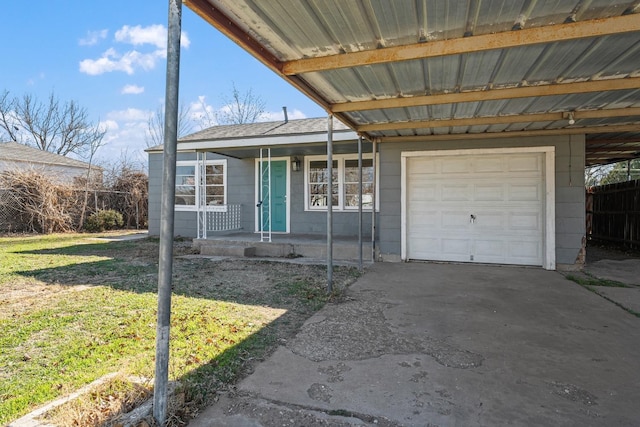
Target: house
pixel 15 156
pixel 230 156
pixel 481 117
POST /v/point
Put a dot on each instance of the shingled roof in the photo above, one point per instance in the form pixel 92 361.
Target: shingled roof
pixel 15 152
pixel 262 129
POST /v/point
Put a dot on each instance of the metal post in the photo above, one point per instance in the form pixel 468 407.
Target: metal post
pixel 260 197
pixel 165 262
pixel 373 207
pixel 330 204
pixel 360 203
pixel 269 187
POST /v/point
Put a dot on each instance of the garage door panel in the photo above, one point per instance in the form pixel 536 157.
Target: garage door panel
pixel 456 192
pixel 424 166
pixel 531 162
pixel 454 165
pixel 525 250
pixel 503 192
pixel 424 193
pixel 454 220
pixel 489 247
pixel 489 220
pixel 489 192
pixel 531 192
pixel 529 221
pixel 424 222
pixel 489 164
pixel 456 247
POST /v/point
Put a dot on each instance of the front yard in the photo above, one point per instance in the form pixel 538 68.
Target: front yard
pixel 74 308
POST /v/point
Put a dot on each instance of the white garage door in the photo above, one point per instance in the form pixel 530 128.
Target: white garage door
pixel 476 208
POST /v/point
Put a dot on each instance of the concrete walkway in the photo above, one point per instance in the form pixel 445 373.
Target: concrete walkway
pixel 619 267
pixel 443 345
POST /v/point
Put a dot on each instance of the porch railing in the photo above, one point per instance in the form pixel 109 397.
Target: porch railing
pixel 221 218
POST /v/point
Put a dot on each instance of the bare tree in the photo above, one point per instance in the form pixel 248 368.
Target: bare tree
pixel 238 108
pixel 60 128
pixel 8 122
pixel 155 125
pixel 89 178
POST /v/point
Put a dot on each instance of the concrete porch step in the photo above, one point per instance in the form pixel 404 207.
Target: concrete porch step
pixel 228 250
pixel 286 249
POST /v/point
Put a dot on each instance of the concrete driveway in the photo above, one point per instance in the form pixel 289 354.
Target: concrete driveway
pixel 443 345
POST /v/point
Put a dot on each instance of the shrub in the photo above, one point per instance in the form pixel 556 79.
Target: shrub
pixel 104 220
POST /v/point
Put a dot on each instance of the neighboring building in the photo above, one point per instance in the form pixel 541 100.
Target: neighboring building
pixel 15 156
pixel 506 201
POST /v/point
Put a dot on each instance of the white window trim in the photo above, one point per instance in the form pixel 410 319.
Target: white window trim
pixel 194 163
pixel 340 159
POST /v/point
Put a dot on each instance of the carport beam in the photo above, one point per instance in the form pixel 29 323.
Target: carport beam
pixel 165 261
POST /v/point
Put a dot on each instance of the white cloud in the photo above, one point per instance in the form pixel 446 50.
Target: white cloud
pixel 134 59
pixel 125 136
pixel 130 115
pixel 108 125
pixel 111 60
pixel 132 90
pixel 201 113
pixel 153 34
pixel 93 37
pixel 279 115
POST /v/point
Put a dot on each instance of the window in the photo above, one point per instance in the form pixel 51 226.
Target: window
pixel 345 182
pixel 187 178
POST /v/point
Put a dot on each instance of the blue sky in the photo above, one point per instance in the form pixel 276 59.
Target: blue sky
pixel 110 57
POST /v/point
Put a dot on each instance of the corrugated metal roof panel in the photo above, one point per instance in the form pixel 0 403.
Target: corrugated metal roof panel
pixel 293 30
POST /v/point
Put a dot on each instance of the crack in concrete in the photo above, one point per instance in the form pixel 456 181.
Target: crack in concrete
pixel 359 331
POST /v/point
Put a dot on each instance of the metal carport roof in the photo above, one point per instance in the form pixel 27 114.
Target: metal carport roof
pixel 408 70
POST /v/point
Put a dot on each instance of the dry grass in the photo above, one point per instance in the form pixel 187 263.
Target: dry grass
pixel 105 402
pixel 74 308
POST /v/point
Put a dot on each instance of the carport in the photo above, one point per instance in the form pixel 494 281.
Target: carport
pixel 469 80
pixel 468 88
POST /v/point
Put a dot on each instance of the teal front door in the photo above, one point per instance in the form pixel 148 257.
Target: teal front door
pixel 277 191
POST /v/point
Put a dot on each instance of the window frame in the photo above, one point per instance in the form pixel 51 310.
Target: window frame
pixel 340 159
pixel 196 166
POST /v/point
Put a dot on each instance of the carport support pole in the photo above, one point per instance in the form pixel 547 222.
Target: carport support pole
pixel 330 204
pixel 373 202
pixel 165 261
pixel 360 203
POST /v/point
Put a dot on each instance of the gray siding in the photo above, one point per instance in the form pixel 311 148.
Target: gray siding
pixel 313 222
pixel 569 182
pixel 155 192
pixel 241 190
pixel 570 193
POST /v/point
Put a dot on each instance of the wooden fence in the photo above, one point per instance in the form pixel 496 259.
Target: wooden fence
pixel 613 213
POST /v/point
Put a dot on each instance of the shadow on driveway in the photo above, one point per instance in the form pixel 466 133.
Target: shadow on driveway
pixel 422 344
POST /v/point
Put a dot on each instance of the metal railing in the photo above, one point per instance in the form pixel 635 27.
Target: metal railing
pixel 222 218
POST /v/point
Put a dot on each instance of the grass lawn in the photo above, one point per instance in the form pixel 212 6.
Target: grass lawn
pixel 74 308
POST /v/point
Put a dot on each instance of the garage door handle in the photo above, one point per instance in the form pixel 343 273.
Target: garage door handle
pixel 473 219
